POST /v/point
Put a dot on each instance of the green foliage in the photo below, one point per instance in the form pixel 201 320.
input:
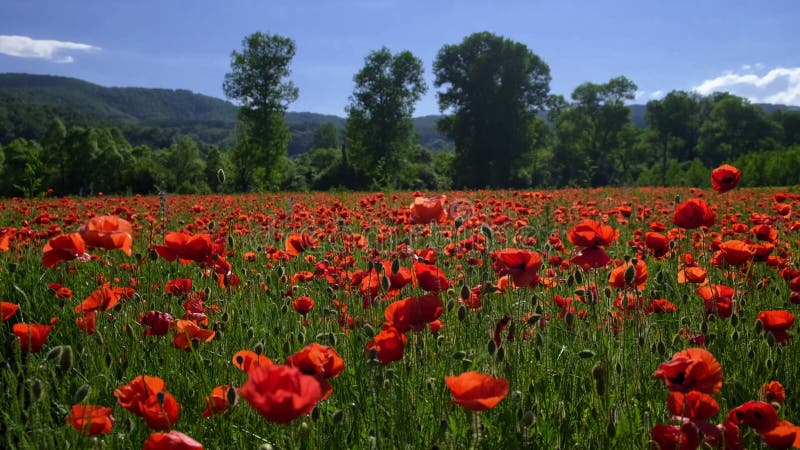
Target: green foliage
pixel 326 136
pixel 493 88
pixel 379 130
pixel 256 82
pixel 22 168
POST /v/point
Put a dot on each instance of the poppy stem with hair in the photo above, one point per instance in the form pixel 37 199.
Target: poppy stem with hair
pixel 476 429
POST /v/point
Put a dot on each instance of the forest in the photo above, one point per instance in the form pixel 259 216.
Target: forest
pixel 500 128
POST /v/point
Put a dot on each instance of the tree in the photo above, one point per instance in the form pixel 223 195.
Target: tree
pixel 493 89
pixel 325 136
pixel 256 82
pixel 595 134
pixel 674 121
pixel 734 127
pixel 379 130
pixel 22 171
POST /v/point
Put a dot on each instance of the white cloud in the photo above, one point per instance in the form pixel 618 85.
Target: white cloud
pixel 779 85
pixel 25 47
pixel 640 96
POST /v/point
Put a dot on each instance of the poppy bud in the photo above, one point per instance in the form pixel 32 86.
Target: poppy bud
pixel 501 354
pixel 630 274
pixel 314 414
pixel 533 319
pixel 221 176
pixel 751 355
pixel 231 396
pixel 577 276
pixel 81 394
pixel 368 330
pixel 770 339
pixel 734 319
pixel 528 419
pixel 486 230
pixel 586 353
pixel 465 293
pixel 491 346
pixel 301 338
pixel 569 319
pixel 759 326
pixel 250 333
pixel 54 354
pixel 735 335
pixel 661 348
pixel 611 429
pixel 266 447
pixel 386 283
pixel 37 390
pixel 462 312
pixel 395 266
pixel 338 417
pixel 370 266
pixel 466 363
pixel 459 354
pixel 640 341
pixel 66 361
pixel 458 222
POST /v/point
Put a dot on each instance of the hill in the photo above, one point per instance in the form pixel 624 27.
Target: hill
pixel 29 103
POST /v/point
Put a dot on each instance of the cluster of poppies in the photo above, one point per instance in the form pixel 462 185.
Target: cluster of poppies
pixel 692 376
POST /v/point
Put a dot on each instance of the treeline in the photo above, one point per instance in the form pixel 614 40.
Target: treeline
pixel 505 130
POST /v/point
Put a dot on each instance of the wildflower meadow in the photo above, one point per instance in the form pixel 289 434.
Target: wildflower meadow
pixel 578 318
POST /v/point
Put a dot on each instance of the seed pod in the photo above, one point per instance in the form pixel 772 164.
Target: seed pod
pixel 66 361
pixel 462 312
pixel 81 394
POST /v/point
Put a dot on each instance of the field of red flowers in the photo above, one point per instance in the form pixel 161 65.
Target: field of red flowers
pixel 605 318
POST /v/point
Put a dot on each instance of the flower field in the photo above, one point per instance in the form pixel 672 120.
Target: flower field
pixel 605 318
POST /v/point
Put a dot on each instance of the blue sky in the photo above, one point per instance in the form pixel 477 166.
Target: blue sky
pixel 749 48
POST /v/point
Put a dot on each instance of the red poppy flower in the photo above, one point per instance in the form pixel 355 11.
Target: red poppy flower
pixel 426 210
pixel 102 299
pixel 281 393
pixel 108 232
pixel 318 360
pixel 757 415
pixel 682 437
pixel 764 232
pixel 430 278
pixel 694 405
pixel 86 322
pixel 691 369
pixel 158 323
pixel 477 391
pixel 590 233
pixel 772 392
pixel 692 274
pixel 64 248
pixel 31 335
pixel 246 360
pixel 187 331
pixel 413 313
pixel 91 420
pixel 718 299
pixel 178 286
pixel 218 401
pixel 174 440
pixel 661 306
pixel 777 322
pixel 694 213
pixel 160 410
pixel 399 279
pixel 7 310
pixel 186 248
pixel 591 258
pixel 297 243
pixel 725 177
pixel 521 264
pixel 303 305
pixel 657 243
pixel 736 252
pixel 387 345
pixel 639 279
pixel 138 390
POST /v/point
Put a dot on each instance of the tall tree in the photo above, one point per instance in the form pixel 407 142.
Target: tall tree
pixel 256 81
pixel 493 89
pixel 22 171
pixel 325 136
pixel 674 121
pixel 595 132
pixel 734 127
pixel 379 130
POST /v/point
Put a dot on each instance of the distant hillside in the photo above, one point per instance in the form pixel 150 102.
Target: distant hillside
pixel 156 117
pixel 29 103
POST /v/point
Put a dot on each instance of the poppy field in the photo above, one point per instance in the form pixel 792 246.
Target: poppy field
pixel 577 318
